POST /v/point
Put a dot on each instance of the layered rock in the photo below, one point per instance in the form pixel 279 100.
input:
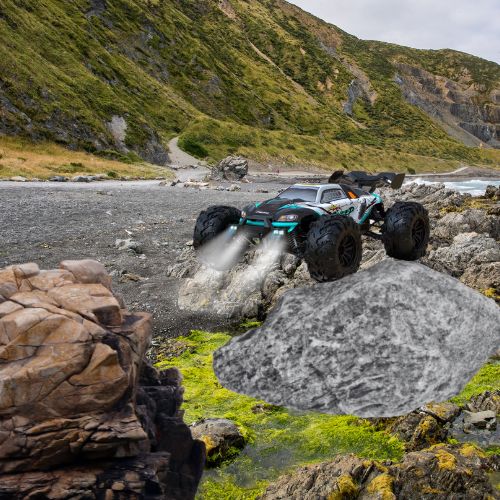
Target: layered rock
pixel 456 105
pixel 440 472
pixel 71 357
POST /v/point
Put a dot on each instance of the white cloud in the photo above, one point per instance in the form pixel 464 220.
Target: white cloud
pixel 469 26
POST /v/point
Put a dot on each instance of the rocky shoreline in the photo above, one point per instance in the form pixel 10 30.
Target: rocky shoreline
pixel 464 244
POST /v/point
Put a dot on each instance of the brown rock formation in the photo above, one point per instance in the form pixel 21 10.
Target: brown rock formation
pixel 70 362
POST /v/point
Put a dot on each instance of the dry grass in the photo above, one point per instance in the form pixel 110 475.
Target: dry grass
pixel 20 157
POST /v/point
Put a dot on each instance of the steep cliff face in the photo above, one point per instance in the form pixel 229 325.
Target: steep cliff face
pixel 261 77
pixel 464 108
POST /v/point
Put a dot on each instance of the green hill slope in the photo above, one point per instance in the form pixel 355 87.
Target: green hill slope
pixel 261 78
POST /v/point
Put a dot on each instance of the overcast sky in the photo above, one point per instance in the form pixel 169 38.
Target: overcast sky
pixel 471 26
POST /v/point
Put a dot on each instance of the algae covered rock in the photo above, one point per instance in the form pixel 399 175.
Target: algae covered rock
pixel 223 439
pixel 426 426
pixel 379 343
pixel 442 471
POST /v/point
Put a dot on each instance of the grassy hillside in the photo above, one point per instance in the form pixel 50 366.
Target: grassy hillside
pixel 20 157
pixel 257 77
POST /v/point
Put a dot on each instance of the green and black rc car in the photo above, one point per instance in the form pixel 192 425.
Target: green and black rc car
pixel 323 223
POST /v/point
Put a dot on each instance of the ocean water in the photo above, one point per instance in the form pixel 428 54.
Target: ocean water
pixel 475 187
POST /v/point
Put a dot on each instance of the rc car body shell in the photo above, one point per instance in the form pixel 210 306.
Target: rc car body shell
pixel 289 211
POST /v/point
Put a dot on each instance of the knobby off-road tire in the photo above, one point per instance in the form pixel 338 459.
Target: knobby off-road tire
pixel 333 248
pixel 406 231
pixel 212 222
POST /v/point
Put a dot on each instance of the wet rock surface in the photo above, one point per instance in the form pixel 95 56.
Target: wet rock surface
pixel 440 472
pixel 359 346
pixel 75 390
pixel 427 426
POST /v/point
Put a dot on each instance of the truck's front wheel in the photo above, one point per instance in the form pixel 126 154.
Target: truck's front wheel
pixel 406 231
pixel 333 248
pixel 212 222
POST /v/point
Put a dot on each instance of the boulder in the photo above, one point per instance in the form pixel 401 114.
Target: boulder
pixel 485 276
pixel 466 250
pixel 223 439
pixel 232 168
pixel 492 193
pixel 85 178
pixel 340 347
pixel 426 426
pixel 194 185
pixel 18 178
pixel 129 244
pixel 340 478
pixel 75 390
pixel 488 400
pixel 482 420
pixel 443 471
pixel 468 221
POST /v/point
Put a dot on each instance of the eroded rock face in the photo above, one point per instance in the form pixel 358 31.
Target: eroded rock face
pixel 443 471
pixel 378 343
pixel 454 103
pixel 70 361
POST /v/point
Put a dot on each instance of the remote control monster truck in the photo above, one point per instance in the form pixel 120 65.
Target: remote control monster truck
pixel 323 223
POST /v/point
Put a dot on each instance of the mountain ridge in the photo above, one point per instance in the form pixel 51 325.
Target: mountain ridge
pixel 260 78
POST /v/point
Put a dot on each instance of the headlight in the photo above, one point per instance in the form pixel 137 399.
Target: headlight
pixel 288 218
pixel 243 214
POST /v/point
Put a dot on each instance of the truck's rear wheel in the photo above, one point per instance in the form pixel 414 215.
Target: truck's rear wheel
pixel 406 231
pixel 212 222
pixel 333 248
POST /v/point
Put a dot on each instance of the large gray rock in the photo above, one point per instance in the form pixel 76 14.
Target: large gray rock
pixel 379 343
pixel 232 168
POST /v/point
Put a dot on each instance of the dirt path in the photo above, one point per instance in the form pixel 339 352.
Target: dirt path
pixel 186 167
pixel 180 158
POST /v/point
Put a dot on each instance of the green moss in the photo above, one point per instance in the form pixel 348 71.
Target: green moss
pixel 445 460
pixel 346 489
pixel 382 487
pixel 487 379
pixel 492 450
pixel 278 439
